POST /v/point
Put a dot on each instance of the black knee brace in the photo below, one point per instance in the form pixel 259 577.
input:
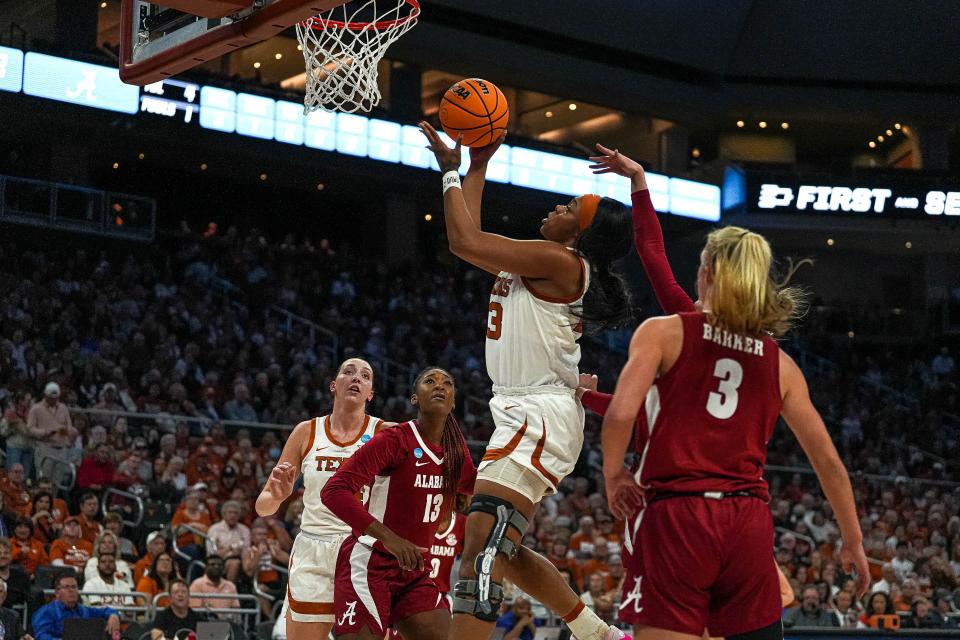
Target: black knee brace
pixel 481 597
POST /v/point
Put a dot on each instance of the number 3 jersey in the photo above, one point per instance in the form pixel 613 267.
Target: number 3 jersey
pixel 710 416
pixel 406 473
pixel 532 337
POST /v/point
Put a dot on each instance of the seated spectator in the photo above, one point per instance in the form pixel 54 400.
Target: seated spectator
pixel 257 559
pixel 889 578
pixel 901 561
pixel 113 523
pixel 909 591
pixel 107 579
pixel 195 514
pixel 518 622
pixel 70 549
pixel 20 443
pixel 229 537
pixel 47 521
pixel 60 509
pixel 16 495
pixel 15 577
pixel 847 612
pixel 607 527
pixel 96 471
pixel 583 536
pixel 48 619
pixel 923 616
pixel 9 618
pixel 7 518
pixel 239 408
pixel 178 615
pixel 879 604
pixel 107 543
pixel 89 517
pixel 598 563
pixel 27 551
pixel 156 544
pixel 157 580
pixel 213 582
pixel 810 613
pixel 596 587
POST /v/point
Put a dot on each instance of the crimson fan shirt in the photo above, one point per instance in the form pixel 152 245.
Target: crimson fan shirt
pixel 406 474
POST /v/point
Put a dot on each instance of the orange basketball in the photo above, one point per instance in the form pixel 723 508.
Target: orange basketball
pixel 475 108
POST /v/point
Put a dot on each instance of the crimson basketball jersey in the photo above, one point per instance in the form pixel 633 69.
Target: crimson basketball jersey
pixel 446 546
pixel 710 416
pixel 407 495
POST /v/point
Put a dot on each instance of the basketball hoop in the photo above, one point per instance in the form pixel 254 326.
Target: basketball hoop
pixel 342 48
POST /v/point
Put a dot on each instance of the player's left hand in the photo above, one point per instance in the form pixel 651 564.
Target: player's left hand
pixel 623 494
pixel 481 155
pixel 853 557
pixel 447 158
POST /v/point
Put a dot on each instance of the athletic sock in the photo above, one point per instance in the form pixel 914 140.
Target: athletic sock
pixel 584 623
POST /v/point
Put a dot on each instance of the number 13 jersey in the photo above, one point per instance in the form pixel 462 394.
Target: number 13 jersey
pixel 407 494
pixel 532 337
pixel 710 416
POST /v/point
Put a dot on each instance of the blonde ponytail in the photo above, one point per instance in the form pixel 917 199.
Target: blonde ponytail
pixel 745 298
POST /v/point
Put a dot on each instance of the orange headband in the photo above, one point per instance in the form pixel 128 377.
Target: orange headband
pixel 588 209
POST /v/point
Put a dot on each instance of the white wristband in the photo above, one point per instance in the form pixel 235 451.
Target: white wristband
pixel 451 179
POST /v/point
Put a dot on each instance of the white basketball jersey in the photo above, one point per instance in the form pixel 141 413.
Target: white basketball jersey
pixel 324 457
pixel 531 337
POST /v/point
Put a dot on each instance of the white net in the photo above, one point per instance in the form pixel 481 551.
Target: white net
pixel 342 48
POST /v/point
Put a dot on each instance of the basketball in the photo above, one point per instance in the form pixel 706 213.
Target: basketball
pixel 475 108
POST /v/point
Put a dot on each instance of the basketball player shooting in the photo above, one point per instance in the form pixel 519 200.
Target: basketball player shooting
pixel 723 382
pixel 546 293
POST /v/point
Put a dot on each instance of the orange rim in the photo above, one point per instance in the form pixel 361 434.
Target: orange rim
pixel 320 24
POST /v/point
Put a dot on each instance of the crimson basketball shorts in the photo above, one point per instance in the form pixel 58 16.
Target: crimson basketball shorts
pixel 702 563
pixel 372 590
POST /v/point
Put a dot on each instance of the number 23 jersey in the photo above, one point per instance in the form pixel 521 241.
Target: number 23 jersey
pixel 710 416
pixel 407 495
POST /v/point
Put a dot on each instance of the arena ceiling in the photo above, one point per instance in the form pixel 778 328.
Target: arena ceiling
pixel 708 59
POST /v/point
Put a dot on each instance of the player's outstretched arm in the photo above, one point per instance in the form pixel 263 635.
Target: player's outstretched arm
pixel 279 484
pixel 807 425
pixel 590 398
pixel 646 353
pixel 489 251
pixel 647 233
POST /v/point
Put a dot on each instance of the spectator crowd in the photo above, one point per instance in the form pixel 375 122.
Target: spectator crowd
pixel 167 380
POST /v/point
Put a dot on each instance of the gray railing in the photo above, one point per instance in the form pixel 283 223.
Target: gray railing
pixel 243 612
pixel 106 506
pixel 54 205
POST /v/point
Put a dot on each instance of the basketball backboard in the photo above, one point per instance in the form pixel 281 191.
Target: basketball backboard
pixel 159 41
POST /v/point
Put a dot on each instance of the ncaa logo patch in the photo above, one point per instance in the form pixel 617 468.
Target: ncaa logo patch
pixel 418 453
pixel 366 437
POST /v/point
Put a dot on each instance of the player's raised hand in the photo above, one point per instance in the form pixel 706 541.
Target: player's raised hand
pixel 481 155
pixel 448 158
pixel 280 482
pixel 612 161
pixel 853 557
pixel 587 382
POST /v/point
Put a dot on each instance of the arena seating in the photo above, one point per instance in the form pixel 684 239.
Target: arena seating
pixel 177 365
